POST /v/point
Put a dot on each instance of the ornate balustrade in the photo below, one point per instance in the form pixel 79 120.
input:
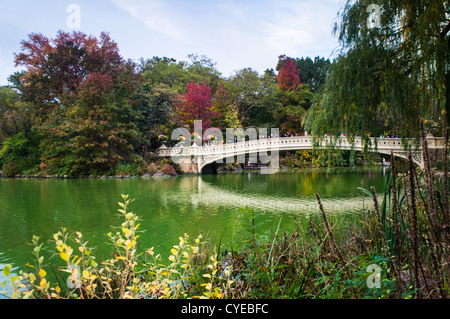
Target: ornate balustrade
pixel 206 154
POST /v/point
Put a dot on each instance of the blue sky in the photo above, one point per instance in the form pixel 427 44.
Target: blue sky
pixel 234 34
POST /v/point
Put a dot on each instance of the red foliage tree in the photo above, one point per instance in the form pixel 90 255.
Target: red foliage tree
pixel 288 77
pixel 196 104
pixel 56 68
pixel 82 91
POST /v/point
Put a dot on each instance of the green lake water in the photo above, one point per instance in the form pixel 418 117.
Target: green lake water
pixel 169 207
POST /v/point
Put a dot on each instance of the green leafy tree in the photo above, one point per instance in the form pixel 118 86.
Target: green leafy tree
pixel 155 104
pixel 313 72
pixel 15 115
pixel 200 69
pixel 388 73
pixel 247 92
pixel 223 105
pixel 19 154
pixel 165 70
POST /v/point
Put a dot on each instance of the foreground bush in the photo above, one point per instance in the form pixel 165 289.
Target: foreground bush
pixel 193 270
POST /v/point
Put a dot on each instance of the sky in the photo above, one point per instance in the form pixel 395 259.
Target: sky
pixel 234 34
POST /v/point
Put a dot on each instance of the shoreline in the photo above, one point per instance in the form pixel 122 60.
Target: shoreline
pixel 161 175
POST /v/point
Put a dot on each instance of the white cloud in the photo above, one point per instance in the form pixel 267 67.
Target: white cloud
pixel 238 34
pixel 158 16
pixel 302 28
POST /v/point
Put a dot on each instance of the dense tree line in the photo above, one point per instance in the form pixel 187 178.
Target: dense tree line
pixel 80 108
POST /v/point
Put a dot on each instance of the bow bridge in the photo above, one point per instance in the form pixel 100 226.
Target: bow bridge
pixel 204 159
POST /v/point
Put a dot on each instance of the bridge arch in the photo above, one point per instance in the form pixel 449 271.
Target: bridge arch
pixel 205 156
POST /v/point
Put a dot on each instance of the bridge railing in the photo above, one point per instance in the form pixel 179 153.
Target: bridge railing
pixel 298 141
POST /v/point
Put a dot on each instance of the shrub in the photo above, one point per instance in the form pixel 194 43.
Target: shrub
pixel 18 154
pixel 10 169
pixel 152 168
pixel 168 169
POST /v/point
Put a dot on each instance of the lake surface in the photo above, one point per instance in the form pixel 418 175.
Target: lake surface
pixel 170 207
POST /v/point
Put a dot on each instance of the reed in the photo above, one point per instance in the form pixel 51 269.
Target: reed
pixel 334 246
pixel 446 188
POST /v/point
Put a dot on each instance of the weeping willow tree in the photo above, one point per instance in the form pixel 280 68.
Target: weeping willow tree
pixel 392 68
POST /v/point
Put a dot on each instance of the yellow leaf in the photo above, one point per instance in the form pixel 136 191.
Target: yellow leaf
pixel 42 273
pixel 64 256
pixel 208 286
pixel 121 258
pixel 130 244
pixel 27 294
pixel 43 283
pixel 32 278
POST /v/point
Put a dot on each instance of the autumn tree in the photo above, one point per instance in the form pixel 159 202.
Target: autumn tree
pixel 293 95
pixel 82 90
pixel 57 67
pixel 196 104
pixel 288 76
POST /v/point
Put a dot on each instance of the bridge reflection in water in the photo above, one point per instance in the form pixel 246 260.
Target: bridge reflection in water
pixel 215 196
